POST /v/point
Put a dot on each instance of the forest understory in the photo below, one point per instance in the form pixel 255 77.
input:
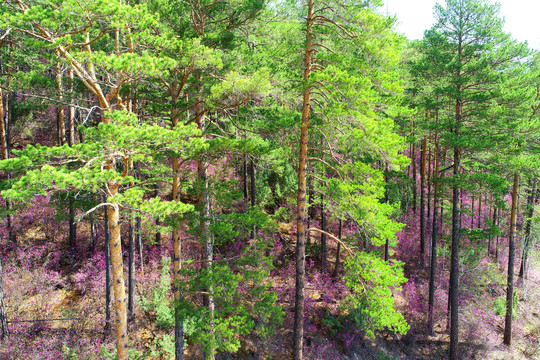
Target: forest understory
pixel 263 180
pixel 56 304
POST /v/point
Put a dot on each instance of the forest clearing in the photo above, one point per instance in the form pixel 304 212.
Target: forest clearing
pixel 266 180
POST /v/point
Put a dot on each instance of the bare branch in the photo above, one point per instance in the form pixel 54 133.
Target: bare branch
pixel 335 238
pixel 327 164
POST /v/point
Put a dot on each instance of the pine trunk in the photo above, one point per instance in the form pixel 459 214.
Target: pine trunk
pixel 60 107
pixel 140 241
pixel 118 277
pixel 131 270
pixel 3 134
pixel 423 204
pixel 414 176
pixel 434 235
pixel 72 223
pixel 107 269
pixel 497 238
pixel 252 181
pixel 298 332
pixel 454 265
pixel 324 253
pixel 206 235
pixel 309 205
pixel 177 244
pixel 4 142
pixel 158 232
pixel 6 138
pixel 4 331
pixel 479 223
pixel 93 234
pixel 71 117
pixel 494 221
pixel 244 178
pixel 253 193
pixel 472 211
pixel 428 180
pixel 386 199
pixel 528 239
pixel 511 258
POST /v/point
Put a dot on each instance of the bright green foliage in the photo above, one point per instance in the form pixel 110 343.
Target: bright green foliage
pixel 244 302
pixel 160 300
pixel 82 166
pixel 499 305
pixel 372 281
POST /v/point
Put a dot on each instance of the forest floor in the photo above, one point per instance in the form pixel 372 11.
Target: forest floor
pixel 47 280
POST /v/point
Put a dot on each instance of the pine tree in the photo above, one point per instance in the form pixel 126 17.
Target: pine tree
pixel 469 50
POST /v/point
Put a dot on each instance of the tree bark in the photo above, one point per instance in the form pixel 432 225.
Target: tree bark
pixel 60 107
pixel 139 238
pixel 454 267
pixel 158 232
pixel 244 178
pixel 71 117
pixel 298 333
pixel 206 235
pixel 324 253
pixel 494 223
pixel 414 176
pixel 253 194
pixel 4 144
pixel 497 238
pixel 511 258
pixel 429 177
pixel 434 235
pixel 479 223
pixel 3 137
pixel 423 204
pixel 309 205
pixel 93 234
pixel 528 240
pixel 472 211
pixel 131 270
pixel 107 269
pixel 386 200
pixel 4 330
pixel 177 247
pixel 72 223
pixel 118 277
